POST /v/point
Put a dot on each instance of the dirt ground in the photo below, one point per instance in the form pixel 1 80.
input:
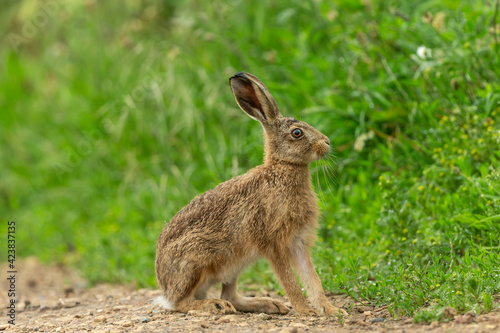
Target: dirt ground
pixel 55 299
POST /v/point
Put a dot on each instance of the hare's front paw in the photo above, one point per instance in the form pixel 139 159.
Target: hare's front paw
pixel 330 310
pixel 307 311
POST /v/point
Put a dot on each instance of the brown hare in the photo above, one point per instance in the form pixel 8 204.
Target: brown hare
pixel 270 211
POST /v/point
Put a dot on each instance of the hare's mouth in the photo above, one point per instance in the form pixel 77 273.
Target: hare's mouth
pixel 321 149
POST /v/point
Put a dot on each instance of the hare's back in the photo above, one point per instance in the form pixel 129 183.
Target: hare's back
pixel 216 211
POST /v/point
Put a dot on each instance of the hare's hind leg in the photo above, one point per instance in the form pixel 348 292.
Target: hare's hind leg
pixel 251 304
pixel 186 287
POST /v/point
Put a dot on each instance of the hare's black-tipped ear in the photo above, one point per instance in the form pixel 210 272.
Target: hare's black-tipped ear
pixel 253 97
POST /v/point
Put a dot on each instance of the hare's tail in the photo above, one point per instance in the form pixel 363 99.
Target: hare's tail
pixel 163 302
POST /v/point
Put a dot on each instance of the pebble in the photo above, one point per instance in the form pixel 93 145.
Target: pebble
pixel 434 324
pixel 127 323
pixel 183 315
pixel 145 320
pixel 226 319
pixel 299 325
pixel 367 313
pixel 100 319
pixel 4 327
pixel 60 330
pixel 264 316
pixel 289 330
pixel 378 320
pixel 43 308
pixel 204 324
pixel 35 328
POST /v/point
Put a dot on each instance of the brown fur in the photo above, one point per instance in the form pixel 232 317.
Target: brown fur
pixel 269 212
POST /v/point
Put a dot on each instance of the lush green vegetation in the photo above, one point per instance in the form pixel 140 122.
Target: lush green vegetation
pixel 114 115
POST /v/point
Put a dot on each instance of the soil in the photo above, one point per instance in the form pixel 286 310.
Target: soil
pixel 54 298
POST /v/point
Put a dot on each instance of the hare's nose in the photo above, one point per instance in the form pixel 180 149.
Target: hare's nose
pixel 327 141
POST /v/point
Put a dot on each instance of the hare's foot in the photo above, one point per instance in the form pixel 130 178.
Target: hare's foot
pixel 259 305
pixel 306 311
pixel 329 310
pixel 212 305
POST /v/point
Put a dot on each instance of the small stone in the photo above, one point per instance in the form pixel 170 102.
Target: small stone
pixel 264 316
pixel 100 310
pixel 408 321
pixel 127 323
pixel 204 324
pixel 356 319
pixel 225 319
pixel 43 308
pixel 78 316
pixel 367 313
pixel 145 320
pixel 434 324
pixel 5 326
pixel 378 320
pixel 183 315
pixel 60 330
pixel 299 325
pixel 100 319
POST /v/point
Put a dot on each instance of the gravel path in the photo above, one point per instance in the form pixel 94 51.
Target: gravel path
pixel 55 299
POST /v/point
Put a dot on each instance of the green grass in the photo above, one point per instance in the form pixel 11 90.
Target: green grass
pixel 114 116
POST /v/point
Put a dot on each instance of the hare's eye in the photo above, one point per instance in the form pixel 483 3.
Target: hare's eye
pixel 297 133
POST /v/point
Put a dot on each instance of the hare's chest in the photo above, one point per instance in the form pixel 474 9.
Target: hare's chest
pixel 297 209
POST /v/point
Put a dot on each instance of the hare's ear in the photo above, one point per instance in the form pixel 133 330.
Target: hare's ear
pixel 253 97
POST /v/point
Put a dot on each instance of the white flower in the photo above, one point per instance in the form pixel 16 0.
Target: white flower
pixel 359 144
pixel 424 52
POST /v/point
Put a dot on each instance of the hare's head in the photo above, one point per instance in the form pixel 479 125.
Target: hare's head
pixel 287 139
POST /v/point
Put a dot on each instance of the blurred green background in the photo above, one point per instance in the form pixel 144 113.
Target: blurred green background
pixel 114 115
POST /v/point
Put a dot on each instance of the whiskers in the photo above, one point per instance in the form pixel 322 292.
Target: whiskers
pixel 325 167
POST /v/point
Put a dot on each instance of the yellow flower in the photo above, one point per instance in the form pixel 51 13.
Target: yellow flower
pixel 418 231
pixel 480 141
pixel 414 241
pixel 403 239
pixel 387 251
pixel 421 188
